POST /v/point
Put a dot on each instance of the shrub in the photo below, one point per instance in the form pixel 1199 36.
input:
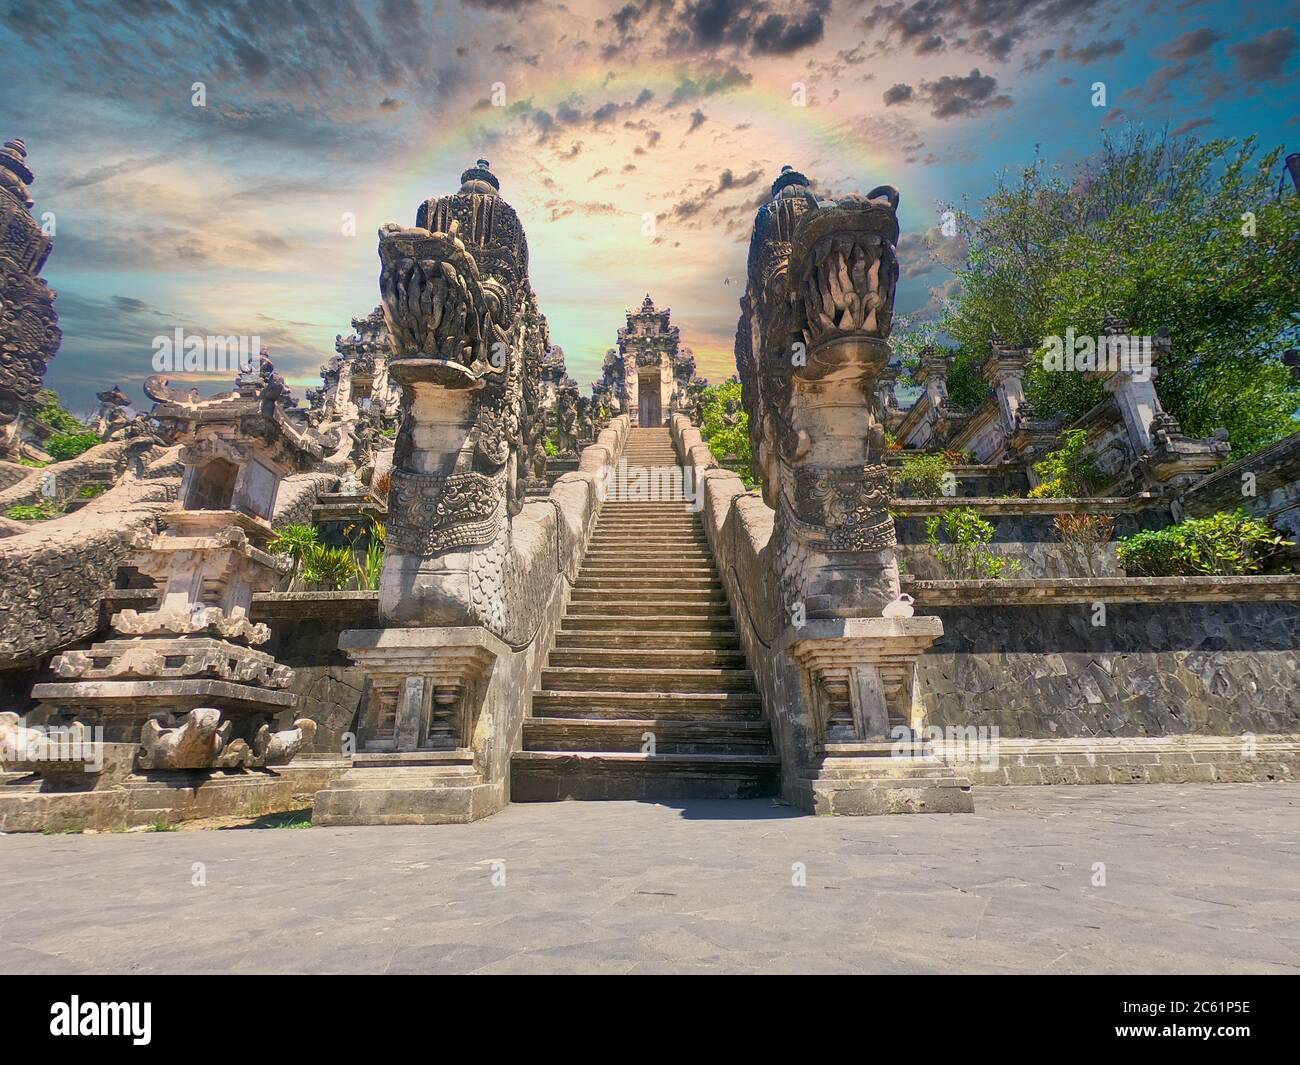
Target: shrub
pixel 90 491
pixel 1085 536
pixel 925 475
pixel 329 569
pixel 64 446
pixel 296 541
pixel 33 512
pixel 965 557
pixel 1223 544
pixel 50 412
pixel 1067 471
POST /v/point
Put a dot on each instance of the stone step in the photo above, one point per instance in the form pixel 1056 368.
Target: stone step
pixel 667 571
pixel 639 555
pixel 550 702
pixel 648 658
pixel 663 544
pixel 550 776
pixel 679 620
pixel 632 680
pixel 576 637
pixel 614 585
pixel 655 596
pixel 710 610
pixel 724 736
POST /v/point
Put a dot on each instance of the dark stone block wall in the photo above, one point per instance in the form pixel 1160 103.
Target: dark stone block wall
pixel 330 687
pixel 1031 539
pixel 1154 669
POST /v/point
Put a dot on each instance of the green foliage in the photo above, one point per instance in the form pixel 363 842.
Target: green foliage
pixel 329 569
pixel 370 565
pixel 64 446
pixel 49 411
pixel 33 511
pixel 1067 470
pixel 90 491
pixel 1222 544
pixel 552 448
pixel 35 464
pixel 1150 230
pixel 966 557
pixel 923 474
pixel 725 440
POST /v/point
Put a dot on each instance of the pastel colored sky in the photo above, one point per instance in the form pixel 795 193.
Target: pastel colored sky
pixel 228 218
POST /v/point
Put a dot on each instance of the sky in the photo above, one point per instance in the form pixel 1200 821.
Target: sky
pixel 635 140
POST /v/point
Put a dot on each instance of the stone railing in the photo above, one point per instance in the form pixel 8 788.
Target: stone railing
pixel 807 670
pixel 445 705
pixel 54 576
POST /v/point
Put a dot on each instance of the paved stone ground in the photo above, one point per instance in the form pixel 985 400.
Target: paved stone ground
pixel 1198 879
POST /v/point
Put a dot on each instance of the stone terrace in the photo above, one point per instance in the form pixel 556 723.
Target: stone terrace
pixel 1198 879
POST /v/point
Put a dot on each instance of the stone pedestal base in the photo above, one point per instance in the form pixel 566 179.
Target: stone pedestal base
pixel 419 762
pixel 859 677
pixel 864 779
pixel 439 788
pixel 30 805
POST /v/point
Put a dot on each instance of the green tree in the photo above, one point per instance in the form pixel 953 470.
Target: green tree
pixel 728 441
pixel 1185 236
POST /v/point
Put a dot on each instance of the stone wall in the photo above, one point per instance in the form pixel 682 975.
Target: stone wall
pixel 1153 669
pixel 102 464
pixel 54 576
pixel 305 629
pixel 1024 530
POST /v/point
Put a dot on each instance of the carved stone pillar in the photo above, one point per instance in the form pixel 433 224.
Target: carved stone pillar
pixel 1169 461
pixel 184 681
pixel 1004 370
pixel 813 353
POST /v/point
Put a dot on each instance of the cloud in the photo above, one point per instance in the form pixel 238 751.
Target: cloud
pixel 748 25
pixel 1262 58
pixel 1090 53
pixel 698 118
pixel 1191 124
pixel 1189 45
pixel 951 96
pixel 990 28
pixel 897 94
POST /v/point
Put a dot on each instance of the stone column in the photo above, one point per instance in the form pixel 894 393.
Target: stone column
pixel 812 349
pixel 467 348
pixel 1004 370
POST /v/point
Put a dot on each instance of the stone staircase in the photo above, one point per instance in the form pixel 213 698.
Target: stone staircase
pixel 647 651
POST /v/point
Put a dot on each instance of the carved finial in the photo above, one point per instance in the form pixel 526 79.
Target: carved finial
pixel 479 178
pixel 15 175
pixel 790 178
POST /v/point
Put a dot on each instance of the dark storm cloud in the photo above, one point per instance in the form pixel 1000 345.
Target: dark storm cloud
pixel 897 94
pixel 953 96
pixel 758 27
pixel 990 28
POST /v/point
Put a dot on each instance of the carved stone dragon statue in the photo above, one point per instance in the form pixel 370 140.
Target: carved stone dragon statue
pixel 467 348
pixel 811 342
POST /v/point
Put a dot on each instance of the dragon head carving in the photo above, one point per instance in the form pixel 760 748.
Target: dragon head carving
pixel 467 347
pixel 811 342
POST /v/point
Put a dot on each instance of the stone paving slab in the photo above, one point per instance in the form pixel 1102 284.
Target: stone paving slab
pixel 1199 878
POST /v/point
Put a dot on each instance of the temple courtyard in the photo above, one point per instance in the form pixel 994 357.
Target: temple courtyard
pixel 1101 879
